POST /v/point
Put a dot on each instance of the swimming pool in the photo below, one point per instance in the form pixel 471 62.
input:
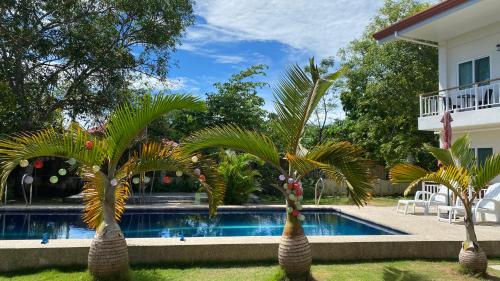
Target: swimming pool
pixel 195 223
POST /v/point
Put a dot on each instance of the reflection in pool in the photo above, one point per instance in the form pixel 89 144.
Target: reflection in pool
pixel 190 224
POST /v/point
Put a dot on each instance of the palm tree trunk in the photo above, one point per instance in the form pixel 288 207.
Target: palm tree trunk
pixel 294 251
pixel 471 256
pixel 108 255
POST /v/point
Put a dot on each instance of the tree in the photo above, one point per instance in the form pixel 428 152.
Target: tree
pixel 77 56
pixel 380 91
pixel 461 174
pixel 297 95
pixel 102 165
pixel 236 101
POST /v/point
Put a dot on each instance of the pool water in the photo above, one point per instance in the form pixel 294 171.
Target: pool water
pixel 189 224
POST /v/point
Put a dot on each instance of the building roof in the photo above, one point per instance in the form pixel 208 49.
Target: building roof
pixel 418 18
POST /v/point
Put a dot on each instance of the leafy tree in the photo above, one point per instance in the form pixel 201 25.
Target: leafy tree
pixel 297 95
pixel 101 163
pixel 76 56
pixel 380 91
pixel 236 101
pixel 465 177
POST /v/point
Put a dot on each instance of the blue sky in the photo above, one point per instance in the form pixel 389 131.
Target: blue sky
pixel 231 35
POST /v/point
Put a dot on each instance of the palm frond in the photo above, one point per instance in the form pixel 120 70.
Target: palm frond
pixel 487 172
pixel 49 142
pixel 407 173
pixel 462 153
pixel 443 155
pixel 297 96
pixel 233 137
pixel 341 162
pixel 128 121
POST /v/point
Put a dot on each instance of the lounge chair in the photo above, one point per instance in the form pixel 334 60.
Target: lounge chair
pixel 434 199
pixel 490 204
pixel 453 211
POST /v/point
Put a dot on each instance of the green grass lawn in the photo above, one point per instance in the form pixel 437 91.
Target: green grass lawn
pixel 337 200
pixel 369 271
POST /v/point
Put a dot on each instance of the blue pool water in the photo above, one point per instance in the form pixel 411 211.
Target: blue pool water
pixel 189 224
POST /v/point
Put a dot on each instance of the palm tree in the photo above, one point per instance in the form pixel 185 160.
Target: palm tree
pixel 297 95
pixel 104 168
pixel 460 173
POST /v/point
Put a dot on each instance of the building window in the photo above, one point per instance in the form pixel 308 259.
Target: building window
pixel 482 154
pixel 473 71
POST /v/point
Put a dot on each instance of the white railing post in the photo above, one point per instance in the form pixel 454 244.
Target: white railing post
pixel 421 107
pixel 476 95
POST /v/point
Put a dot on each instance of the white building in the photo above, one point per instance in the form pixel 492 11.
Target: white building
pixel 467 35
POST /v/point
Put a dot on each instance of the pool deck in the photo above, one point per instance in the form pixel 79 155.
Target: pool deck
pixel 427 238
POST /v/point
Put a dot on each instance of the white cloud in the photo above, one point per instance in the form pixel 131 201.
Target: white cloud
pixel 319 27
pixel 143 81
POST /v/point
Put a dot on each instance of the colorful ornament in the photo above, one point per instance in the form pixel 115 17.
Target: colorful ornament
pixel 290 180
pixel 202 178
pixel 301 217
pixel 166 179
pixel 282 177
pixel 147 179
pixel 136 180
pixel 296 185
pixel 290 186
pixel 289 209
pixel 194 159
pixel 89 145
pixel 96 168
pixel 71 161
pixel 295 213
pixel 179 173
pixel 24 163
pixel 299 192
pixel 299 197
pixel 197 171
pixel 292 197
pixel 54 179
pixel 114 182
pixel 62 172
pixel 28 180
pixel 298 206
pixel 38 164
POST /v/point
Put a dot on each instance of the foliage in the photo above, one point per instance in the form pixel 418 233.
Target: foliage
pixel 460 173
pixel 239 176
pixel 297 95
pixel 77 56
pixel 101 164
pixel 380 91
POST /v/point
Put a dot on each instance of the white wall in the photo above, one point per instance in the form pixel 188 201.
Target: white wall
pixel 479 43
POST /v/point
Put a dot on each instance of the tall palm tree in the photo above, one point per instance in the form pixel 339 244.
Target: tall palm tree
pixel 297 95
pixel 102 164
pixel 461 173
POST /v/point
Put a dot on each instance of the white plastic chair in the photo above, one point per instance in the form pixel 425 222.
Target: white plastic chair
pixel 453 211
pixel 426 200
pixel 490 204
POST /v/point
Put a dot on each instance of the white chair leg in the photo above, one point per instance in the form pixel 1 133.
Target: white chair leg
pixel 450 214
pixel 397 208
pixel 414 208
pixel 406 209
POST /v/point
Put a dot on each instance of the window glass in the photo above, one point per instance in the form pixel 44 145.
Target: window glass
pixel 483 154
pixel 465 74
pixel 482 70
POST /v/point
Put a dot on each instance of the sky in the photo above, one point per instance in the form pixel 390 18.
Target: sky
pixel 231 35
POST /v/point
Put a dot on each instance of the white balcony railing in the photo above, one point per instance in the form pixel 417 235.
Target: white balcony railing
pixel 477 96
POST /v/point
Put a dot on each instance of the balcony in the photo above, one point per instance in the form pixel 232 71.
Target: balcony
pixel 474 105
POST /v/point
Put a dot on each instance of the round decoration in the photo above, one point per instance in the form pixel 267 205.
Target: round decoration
pixel 282 177
pixel 166 179
pixel 54 179
pixel 89 144
pixel 24 163
pixel 38 164
pixel 113 182
pixel 62 172
pixel 197 171
pixel 147 179
pixel 28 180
pixel 290 180
pixel 179 173
pixel 136 180
pixel 295 213
pixel 72 161
pixel 96 168
pixel 202 178
pixel 194 159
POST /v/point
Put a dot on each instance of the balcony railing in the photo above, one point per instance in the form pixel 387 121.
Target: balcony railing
pixel 475 96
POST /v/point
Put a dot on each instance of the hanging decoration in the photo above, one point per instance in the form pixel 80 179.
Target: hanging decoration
pixel 202 178
pixel 114 182
pixel 147 179
pixel 54 179
pixel 136 180
pixel 166 180
pixel 194 159
pixel 38 164
pixel 89 144
pixel 295 193
pixel 71 161
pixel 24 163
pixel 197 171
pixel 62 172
pixel 282 177
pixel 28 180
pixel 96 168
pixel 179 173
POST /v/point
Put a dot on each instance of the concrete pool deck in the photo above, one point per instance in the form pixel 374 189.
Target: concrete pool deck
pixel 427 238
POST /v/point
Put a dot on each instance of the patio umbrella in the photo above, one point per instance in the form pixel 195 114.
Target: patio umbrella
pixel 446 137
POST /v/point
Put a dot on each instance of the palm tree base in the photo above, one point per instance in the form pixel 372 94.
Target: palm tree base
pixel 295 257
pixel 473 260
pixel 108 256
